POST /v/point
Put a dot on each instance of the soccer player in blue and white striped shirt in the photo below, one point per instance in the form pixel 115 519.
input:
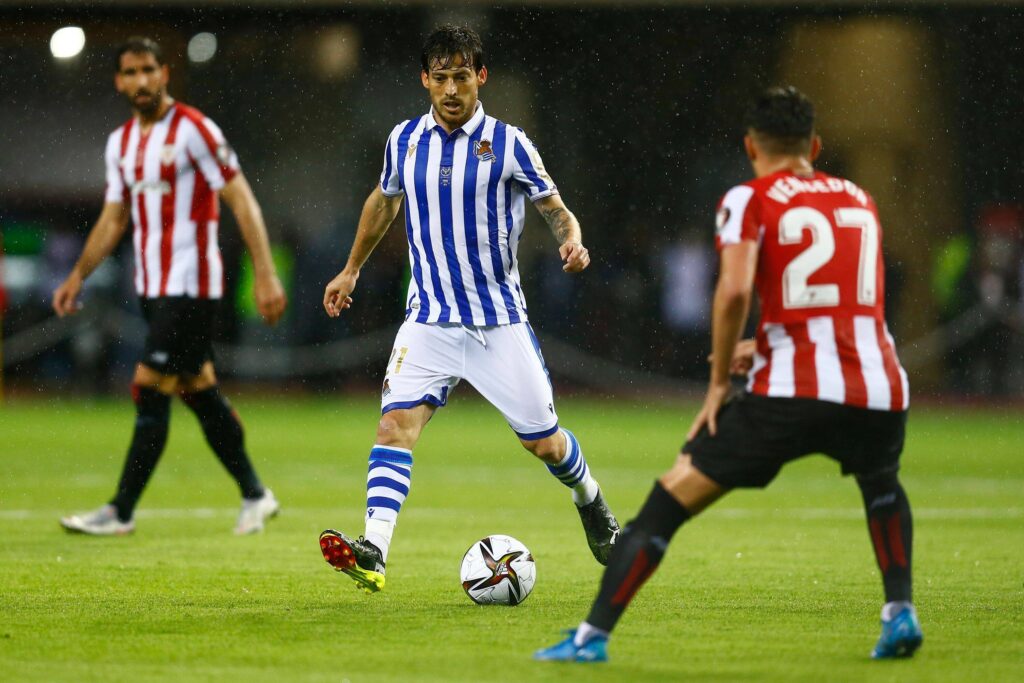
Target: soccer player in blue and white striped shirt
pixel 465 178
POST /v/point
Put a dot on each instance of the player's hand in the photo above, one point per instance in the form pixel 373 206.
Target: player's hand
pixel 717 393
pixel 270 298
pixel 65 297
pixel 742 357
pixel 336 295
pixel 575 256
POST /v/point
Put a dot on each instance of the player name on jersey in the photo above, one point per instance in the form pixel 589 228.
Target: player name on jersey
pixel 820 280
pixel 464 215
pixel 170 176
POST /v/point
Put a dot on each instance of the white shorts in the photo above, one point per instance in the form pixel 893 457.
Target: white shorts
pixel 503 363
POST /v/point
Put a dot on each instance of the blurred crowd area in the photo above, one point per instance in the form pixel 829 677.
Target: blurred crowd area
pixel 637 114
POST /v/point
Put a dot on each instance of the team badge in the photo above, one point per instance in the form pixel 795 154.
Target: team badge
pixel 446 175
pixel 722 218
pixel 167 155
pixel 482 149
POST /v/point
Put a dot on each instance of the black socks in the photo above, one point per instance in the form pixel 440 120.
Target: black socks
pixel 636 555
pixel 224 433
pixel 891 527
pixel 153 411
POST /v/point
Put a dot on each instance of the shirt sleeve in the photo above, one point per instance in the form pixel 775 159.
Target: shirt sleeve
pixel 210 151
pixel 528 168
pixel 737 218
pixel 389 181
pixel 116 190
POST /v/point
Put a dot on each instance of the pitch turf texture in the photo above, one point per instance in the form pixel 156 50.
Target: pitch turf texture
pixel 774 585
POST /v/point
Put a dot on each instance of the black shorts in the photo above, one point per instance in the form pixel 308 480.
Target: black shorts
pixel 757 435
pixel 179 340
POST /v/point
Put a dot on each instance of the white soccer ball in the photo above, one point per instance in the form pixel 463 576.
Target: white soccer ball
pixel 498 570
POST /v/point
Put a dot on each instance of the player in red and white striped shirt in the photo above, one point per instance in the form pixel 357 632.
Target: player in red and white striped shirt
pixel 167 168
pixel 823 372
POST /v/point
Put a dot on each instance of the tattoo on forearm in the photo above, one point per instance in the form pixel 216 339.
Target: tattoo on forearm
pixel 561 221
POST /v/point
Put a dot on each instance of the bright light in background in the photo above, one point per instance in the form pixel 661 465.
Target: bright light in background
pixel 67 42
pixel 202 47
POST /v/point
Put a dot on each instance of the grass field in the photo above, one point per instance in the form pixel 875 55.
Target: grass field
pixel 767 586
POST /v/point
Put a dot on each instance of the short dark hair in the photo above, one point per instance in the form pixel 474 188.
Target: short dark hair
pixel 782 120
pixel 138 45
pixel 448 41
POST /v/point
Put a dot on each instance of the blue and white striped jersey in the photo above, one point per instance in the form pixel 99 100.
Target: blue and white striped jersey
pixel 464 211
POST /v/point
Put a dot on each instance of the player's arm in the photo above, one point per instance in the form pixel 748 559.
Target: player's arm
pixel 378 214
pixel 729 315
pixel 269 294
pixel 102 240
pixel 566 230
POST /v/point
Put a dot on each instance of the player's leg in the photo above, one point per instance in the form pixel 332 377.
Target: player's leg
pixel 505 365
pixel 707 469
pixel 388 479
pixel 151 393
pixel 422 370
pixel 562 454
pixel 226 437
pixel 875 462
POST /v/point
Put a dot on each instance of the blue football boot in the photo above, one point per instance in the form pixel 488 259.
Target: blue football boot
pixel 594 650
pixel 901 635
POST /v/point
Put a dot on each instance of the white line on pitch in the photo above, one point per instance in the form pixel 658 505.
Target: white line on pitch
pixel 726 513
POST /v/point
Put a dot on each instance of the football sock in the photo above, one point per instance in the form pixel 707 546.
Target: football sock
pixel 891 527
pixel 586 632
pixel 636 555
pixel 226 437
pixel 891 609
pixel 574 472
pixel 387 485
pixel 152 419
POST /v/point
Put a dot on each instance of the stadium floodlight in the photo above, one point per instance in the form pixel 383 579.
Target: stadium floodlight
pixel 67 42
pixel 202 47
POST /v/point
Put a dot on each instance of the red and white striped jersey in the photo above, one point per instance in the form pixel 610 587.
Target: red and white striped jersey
pixel 171 175
pixel 821 283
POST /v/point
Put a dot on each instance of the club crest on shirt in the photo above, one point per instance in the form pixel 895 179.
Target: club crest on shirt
pixel 167 155
pixel 483 151
pixel 446 175
pixel 722 218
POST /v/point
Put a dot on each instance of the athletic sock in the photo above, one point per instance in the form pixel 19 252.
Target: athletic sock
pixel 152 420
pixel 636 555
pixel 226 437
pixel 892 533
pixel 387 485
pixel 586 632
pixel 573 471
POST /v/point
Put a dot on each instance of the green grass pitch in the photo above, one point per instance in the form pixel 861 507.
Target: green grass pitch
pixel 778 585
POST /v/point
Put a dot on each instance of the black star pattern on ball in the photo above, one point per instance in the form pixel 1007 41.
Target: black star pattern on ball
pixel 501 569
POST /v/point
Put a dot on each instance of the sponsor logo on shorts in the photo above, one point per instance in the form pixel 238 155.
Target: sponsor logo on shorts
pixel 386 391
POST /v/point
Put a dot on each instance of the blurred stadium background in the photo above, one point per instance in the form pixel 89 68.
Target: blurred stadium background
pixel 636 107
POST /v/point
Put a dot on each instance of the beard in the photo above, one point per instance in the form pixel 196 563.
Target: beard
pixel 147 106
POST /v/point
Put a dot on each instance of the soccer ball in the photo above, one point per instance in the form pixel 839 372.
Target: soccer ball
pixel 498 570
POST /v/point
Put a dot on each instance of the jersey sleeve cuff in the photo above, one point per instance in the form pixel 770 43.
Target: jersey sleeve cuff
pixel 391 193
pixel 544 194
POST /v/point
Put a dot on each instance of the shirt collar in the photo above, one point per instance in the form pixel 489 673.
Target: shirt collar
pixel 467 128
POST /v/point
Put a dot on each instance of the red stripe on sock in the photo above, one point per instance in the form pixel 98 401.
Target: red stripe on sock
pixel 879 541
pixel 899 554
pixel 638 573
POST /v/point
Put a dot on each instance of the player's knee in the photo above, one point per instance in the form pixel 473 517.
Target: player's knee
pixel 392 431
pixel 550 449
pixel 878 484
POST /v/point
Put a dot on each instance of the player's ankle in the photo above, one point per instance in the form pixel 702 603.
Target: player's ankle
pixel 586 632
